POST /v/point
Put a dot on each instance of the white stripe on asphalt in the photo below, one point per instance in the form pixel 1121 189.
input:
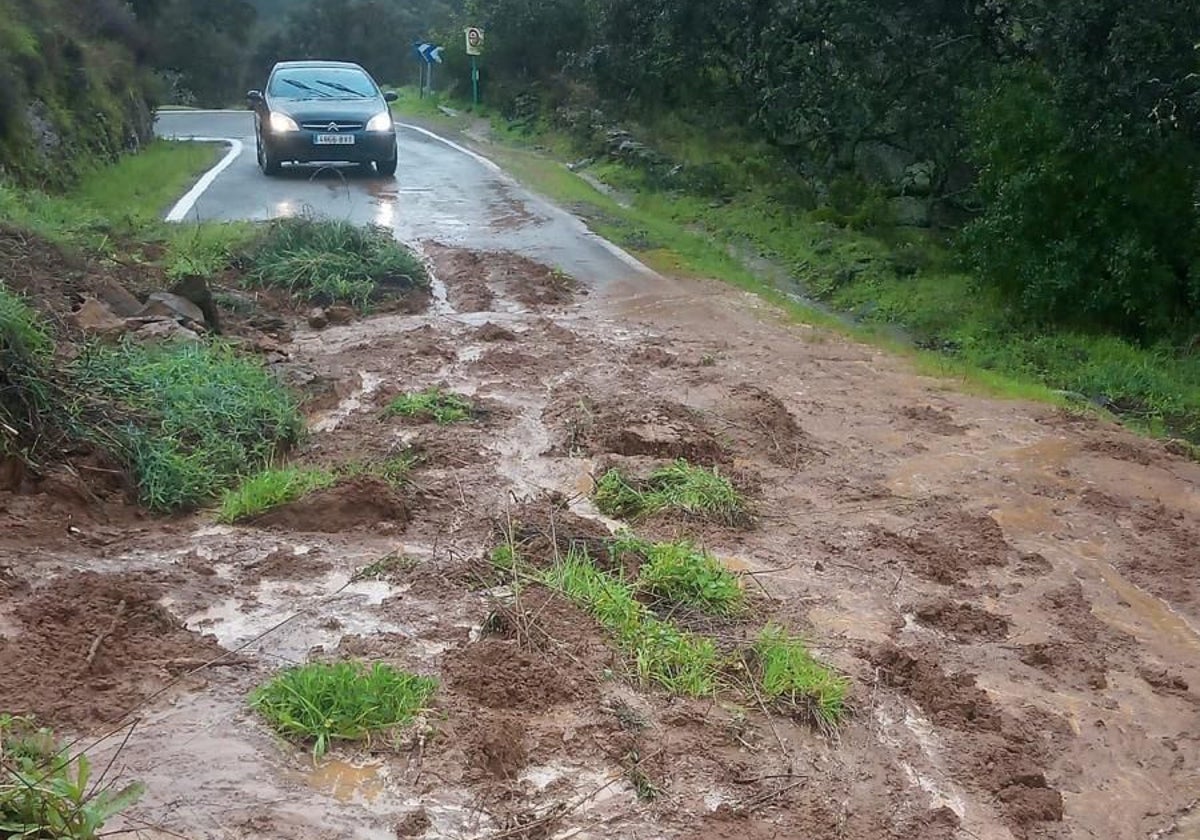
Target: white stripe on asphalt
pixel 184 205
pixel 473 155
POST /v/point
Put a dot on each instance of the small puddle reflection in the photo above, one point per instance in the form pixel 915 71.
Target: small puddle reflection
pixel 346 782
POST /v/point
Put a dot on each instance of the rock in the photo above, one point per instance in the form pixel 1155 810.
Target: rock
pixel 96 318
pixel 339 315
pixel 195 289
pixel 118 298
pixel 882 163
pixel 153 328
pixel 317 319
pixel 909 211
pixel 167 305
pixel 917 179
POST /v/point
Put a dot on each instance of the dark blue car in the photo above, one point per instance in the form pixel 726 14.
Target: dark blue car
pixel 323 111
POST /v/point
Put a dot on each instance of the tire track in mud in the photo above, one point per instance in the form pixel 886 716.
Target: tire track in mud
pixel 1002 687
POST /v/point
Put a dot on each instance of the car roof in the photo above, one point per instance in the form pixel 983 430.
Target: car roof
pixel 349 65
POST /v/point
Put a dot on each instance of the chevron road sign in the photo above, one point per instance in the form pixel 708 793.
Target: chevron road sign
pixel 429 53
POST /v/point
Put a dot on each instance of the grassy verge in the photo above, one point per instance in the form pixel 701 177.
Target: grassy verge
pixel 432 404
pixel 44 792
pixel 843 266
pixel 123 198
pixel 343 701
pixel 694 491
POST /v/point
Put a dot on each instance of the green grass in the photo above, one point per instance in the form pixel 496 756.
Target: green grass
pixel 433 404
pixel 269 489
pixel 680 486
pixel 843 267
pixel 26 392
pixel 206 249
pixel 680 573
pixel 790 678
pixel 680 662
pixel 189 420
pixel 343 701
pixel 120 199
pixel 327 262
pixel 45 792
pixel 139 189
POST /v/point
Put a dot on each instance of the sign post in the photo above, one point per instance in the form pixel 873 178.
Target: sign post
pixel 474 49
pixel 427 55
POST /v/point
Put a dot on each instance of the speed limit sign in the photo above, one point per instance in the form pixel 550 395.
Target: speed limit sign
pixel 474 40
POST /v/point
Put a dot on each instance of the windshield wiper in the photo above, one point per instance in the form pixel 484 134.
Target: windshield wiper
pixel 342 88
pixel 303 86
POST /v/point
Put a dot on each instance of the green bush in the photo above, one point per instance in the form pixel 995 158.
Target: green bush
pixel 328 262
pixel 680 573
pixel 45 793
pixel 188 419
pixel 1099 231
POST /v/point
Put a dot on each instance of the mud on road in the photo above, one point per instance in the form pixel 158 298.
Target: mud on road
pixel 1011 590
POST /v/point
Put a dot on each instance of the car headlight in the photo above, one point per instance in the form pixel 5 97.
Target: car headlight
pixel 380 122
pixel 282 122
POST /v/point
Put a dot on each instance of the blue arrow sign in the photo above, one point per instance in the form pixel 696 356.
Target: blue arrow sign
pixel 429 53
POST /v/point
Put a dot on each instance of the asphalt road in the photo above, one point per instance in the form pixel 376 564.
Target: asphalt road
pixel 440 192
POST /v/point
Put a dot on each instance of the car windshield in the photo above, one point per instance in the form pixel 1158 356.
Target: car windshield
pixel 322 83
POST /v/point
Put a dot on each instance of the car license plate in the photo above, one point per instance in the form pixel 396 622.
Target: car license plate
pixel 334 139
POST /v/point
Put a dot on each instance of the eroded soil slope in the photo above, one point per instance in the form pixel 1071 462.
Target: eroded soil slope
pixel 1011 590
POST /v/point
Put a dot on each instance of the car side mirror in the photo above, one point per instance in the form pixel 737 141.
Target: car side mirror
pixel 254 97
pixel 390 96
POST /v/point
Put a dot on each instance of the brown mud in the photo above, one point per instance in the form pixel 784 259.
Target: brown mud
pixel 1012 593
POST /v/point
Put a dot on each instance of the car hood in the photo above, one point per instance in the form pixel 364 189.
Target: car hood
pixel 322 110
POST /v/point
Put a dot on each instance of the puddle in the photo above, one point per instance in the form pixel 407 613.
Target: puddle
pixel 329 422
pixel 1149 609
pixel 313 614
pixel 347 782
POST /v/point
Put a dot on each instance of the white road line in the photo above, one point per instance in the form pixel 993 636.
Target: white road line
pixel 473 155
pixel 614 249
pixel 184 205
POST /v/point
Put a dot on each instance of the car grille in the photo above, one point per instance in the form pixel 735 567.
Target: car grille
pixel 323 125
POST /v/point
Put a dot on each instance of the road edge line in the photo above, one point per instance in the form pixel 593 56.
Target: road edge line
pixel 184 206
pixel 614 249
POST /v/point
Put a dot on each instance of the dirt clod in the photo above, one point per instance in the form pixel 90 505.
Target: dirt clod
pixel 358 503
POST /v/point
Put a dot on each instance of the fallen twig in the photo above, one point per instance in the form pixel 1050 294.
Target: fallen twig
pixel 104 634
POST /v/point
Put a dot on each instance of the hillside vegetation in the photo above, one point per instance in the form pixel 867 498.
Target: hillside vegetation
pixel 74 87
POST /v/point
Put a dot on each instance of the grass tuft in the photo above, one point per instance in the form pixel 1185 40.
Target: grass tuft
pixel 327 262
pixel 269 489
pixel 692 490
pixel 793 679
pixel 680 573
pixel 433 404
pixel 188 419
pixel 343 701
pixel 44 792
pixel 26 393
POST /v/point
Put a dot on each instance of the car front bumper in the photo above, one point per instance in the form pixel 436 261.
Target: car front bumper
pixel 301 146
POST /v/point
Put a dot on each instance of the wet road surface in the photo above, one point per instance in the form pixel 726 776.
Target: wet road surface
pixel 440 193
